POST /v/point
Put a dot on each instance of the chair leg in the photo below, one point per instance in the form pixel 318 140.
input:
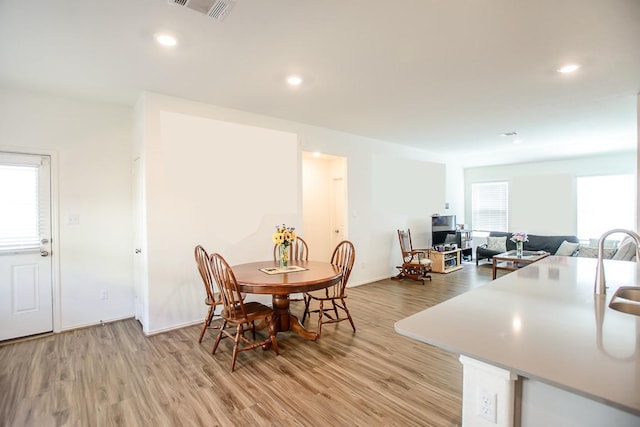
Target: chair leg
pixel 207 322
pixel 215 345
pixel 236 343
pixel 346 310
pixel 335 308
pixel 307 301
pixel 320 314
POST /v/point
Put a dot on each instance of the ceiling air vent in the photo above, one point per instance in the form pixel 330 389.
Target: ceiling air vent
pixel 216 9
pixel 220 9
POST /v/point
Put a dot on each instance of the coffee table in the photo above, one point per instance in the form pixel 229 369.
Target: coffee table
pixel 509 261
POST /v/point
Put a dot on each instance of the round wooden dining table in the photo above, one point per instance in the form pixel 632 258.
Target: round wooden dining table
pixel 316 275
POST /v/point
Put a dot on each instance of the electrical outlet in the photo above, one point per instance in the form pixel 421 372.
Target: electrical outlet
pixel 104 294
pixel 486 405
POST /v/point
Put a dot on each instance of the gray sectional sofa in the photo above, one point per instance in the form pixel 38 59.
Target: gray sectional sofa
pixel 549 244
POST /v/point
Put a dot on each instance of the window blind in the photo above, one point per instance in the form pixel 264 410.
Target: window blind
pixel 490 206
pixel 23 213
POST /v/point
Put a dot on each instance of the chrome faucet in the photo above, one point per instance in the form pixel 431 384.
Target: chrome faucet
pixel 600 287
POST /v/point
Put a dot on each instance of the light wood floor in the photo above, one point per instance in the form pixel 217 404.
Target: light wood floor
pixel 112 375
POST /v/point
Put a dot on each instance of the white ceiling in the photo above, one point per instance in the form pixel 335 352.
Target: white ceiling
pixel 443 75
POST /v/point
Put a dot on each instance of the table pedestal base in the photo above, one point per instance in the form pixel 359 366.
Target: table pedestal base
pixel 285 321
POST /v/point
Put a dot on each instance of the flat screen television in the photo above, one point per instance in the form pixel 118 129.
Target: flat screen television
pixel 443 223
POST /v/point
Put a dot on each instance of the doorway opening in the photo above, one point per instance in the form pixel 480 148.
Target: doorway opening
pixel 324 203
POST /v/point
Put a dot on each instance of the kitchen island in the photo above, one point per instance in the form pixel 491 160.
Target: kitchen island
pixel 539 348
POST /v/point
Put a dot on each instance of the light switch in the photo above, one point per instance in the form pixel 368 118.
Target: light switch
pixel 73 220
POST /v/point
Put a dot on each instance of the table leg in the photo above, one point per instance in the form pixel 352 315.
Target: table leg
pixel 494 268
pixel 285 321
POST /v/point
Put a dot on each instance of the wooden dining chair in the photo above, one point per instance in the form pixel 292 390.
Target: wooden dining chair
pixel 298 250
pixel 343 256
pixel 416 264
pixel 213 298
pixel 239 313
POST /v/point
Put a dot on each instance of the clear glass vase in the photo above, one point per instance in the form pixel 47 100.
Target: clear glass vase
pixel 519 246
pixel 284 256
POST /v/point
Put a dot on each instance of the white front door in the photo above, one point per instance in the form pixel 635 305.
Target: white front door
pixel 26 304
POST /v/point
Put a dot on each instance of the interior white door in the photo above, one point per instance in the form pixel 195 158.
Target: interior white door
pixel 26 304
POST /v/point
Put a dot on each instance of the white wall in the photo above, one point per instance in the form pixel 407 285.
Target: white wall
pixel 542 195
pixel 389 187
pixel 219 184
pixel 93 144
pixel 454 194
pixel 407 192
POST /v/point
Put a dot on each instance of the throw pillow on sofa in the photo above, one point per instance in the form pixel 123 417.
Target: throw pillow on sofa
pixel 590 252
pixel 567 248
pixel 497 244
pixel 626 251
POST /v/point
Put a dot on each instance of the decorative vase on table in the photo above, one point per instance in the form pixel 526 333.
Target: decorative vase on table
pixel 519 238
pixel 284 256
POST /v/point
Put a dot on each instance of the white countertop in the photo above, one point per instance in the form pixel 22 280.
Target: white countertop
pixel 541 322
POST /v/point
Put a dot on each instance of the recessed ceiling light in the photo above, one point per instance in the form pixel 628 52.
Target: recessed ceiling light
pixel 569 68
pixel 316 154
pixel 294 80
pixel 517 141
pixel 166 40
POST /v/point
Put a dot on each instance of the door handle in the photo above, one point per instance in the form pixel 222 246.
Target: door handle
pixel 44 253
pixel 138 251
pixel 336 231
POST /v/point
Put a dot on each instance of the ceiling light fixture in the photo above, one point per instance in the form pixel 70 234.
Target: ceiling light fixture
pixel 509 133
pixel 294 80
pixel 569 68
pixel 166 40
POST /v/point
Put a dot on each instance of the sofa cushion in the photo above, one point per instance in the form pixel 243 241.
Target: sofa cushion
pixel 567 248
pixel 548 244
pixel 497 243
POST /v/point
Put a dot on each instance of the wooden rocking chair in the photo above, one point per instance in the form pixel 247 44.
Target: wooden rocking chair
pixel 415 262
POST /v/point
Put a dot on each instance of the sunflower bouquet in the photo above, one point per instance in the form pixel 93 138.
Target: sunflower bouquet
pixel 284 235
